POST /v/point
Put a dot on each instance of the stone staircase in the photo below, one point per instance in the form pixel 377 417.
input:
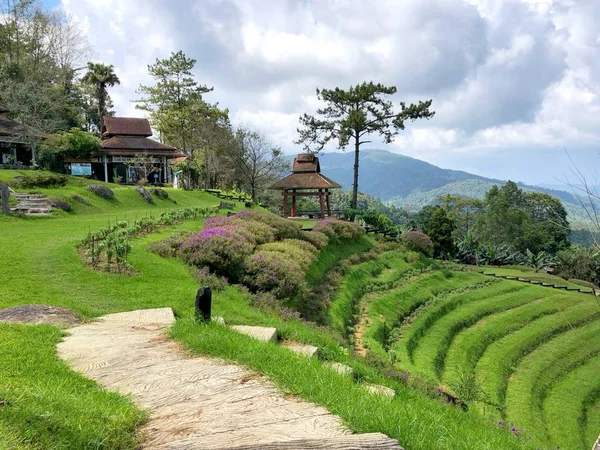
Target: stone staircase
pixel 32 204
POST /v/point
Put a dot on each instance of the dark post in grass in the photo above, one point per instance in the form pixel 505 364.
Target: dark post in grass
pixel 5 205
pixel 203 303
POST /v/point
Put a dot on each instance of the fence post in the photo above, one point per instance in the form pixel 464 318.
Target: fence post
pixel 5 204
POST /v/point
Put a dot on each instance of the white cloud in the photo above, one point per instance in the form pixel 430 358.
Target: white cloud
pixel 504 75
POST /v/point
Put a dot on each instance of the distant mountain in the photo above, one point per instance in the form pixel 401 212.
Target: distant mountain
pixel 412 183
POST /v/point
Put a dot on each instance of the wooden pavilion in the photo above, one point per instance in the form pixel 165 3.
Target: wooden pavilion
pixel 306 180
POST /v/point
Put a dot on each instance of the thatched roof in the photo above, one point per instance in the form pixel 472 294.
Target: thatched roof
pixel 306 174
pixel 13 131
pixel 125 126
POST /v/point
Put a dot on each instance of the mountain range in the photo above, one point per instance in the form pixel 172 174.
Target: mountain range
pixel 411 183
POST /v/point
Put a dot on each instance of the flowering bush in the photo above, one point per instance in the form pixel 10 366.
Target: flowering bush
pixel 275 272
pixel 170 246
pixel 418 241
pixel 284 228
pixel 215 282
pixel 222 250
pixel 301 252
pixel 316 238
pixel 339 229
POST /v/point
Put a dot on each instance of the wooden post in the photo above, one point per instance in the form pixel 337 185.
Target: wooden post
pixel 5 204
pixel 294 203
pixel 165 176
pixel 284 203
pixel 327 194
pixel 321 204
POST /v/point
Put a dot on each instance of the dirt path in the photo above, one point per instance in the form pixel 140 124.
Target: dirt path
pixel 199 402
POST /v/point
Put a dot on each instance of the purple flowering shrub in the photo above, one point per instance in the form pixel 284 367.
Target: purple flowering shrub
pixel 417 241
pixel 301 252
pixel 222 249
pixel 205 278
pixel 339 229
pixel 316 238
pixel 275 272
pixel 170 246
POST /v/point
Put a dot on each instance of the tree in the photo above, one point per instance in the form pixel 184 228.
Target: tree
pixel 440 228
pixel 356 113
pixel 101 76
pixel 524 221
pixel 177 108
pixel 255 160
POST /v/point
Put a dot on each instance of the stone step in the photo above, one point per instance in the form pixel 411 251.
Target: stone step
pixel 380 390
pixel 32 210
pixel 340 368
pixel 302 349
pixel 267 334
pixel 368 441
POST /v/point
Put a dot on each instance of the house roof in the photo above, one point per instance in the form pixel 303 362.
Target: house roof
pixel 125 126
pixel 134 145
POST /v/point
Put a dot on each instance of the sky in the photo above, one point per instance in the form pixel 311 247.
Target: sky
pixel 515 84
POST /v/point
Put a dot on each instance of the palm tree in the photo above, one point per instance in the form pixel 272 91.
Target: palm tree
pixel 101 76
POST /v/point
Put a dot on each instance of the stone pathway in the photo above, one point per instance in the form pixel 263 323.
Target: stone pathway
pixel 199 403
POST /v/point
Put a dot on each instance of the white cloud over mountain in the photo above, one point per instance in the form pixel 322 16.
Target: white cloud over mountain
pixel 513 82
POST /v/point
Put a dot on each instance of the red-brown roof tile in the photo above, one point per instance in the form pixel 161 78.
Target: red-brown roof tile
pixel 125 126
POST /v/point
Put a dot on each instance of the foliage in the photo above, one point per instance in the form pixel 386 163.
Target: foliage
pixel 533 221
pixel 538 261
pixel 418 241
pixel 360 111
pixel 100 76
pixel 316 238
pixel 34 180
pixel 75 143
pixel 579 263
pixel 303 253
pixel 215 282
pixel 101 191
pixel 255 160
pixel 440 228
pixel 339 230
pixel 170 246
pixel 276 272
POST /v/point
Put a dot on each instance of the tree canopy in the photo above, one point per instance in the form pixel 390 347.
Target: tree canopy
pixel 353 115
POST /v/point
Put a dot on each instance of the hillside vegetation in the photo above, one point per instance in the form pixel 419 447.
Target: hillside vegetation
pixel 522 355
pixel 45 268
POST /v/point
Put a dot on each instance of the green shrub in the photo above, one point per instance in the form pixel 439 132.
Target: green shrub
pixel 304 254
pixel 33 180
pixel 101 191
pixel 170 246
pixel 580 263
pixel 275 272
pixel 215 282
pixel 284 228
pixel 339 229
pixel 316 238
pixel 418 241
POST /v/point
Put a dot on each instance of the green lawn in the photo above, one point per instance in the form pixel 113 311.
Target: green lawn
pixel 45 405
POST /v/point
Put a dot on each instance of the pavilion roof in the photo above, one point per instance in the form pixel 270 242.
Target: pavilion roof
pixel 306 174
pixel 134 145
pixel 13 131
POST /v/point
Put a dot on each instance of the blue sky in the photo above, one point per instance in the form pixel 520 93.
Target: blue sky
pixel 514 82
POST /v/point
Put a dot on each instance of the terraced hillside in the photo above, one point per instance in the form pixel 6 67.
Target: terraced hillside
pixel 526 356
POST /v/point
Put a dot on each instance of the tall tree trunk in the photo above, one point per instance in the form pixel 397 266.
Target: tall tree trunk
pixel 354 202
pixel 101 107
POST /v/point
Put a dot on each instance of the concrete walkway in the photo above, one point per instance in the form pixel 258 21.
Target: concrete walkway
pixel 199 403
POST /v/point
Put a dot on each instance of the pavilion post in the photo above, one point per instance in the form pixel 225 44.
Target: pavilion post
pixel 284 203
pixel 165 179
pixel 327 195
pixel 321 204
pixel 105 169
pixel 294 203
